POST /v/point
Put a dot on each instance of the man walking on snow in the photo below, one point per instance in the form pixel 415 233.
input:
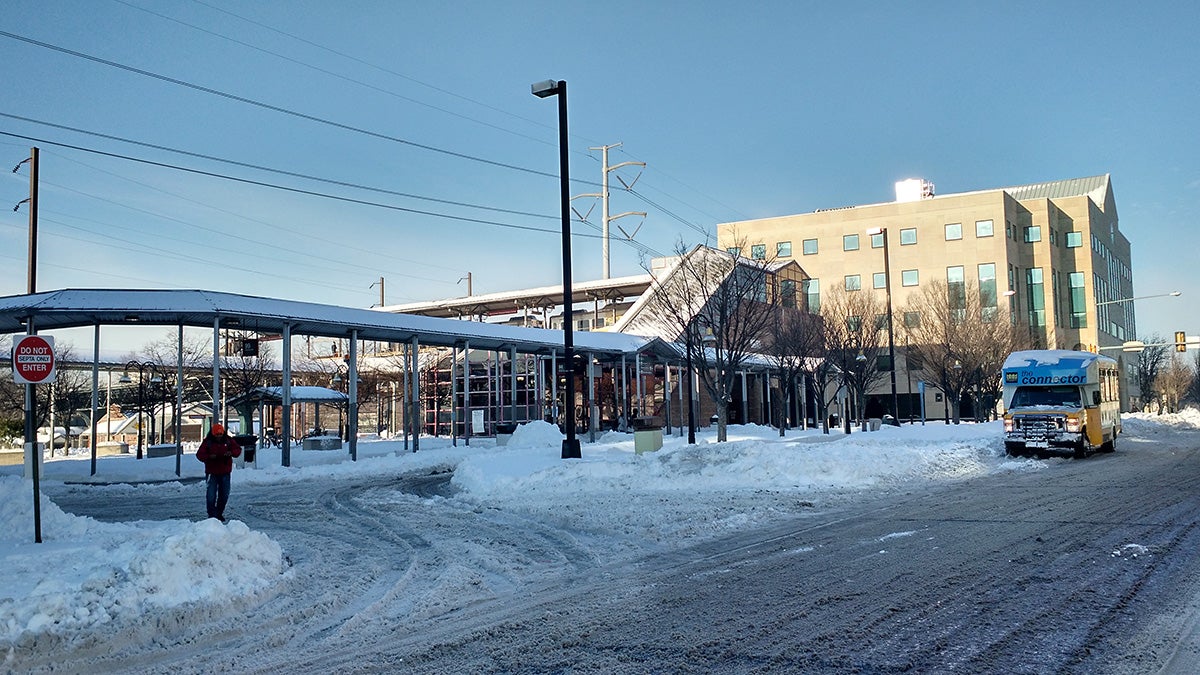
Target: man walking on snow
pixel 217 451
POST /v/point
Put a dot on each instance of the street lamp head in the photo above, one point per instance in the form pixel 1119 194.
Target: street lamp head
pixel 1175 294
pixel 125 379
pixel 545 88
pixel 876 230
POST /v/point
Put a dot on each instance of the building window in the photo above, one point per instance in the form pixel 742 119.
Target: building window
pixel 953 231
pixel 912 319
pixel 758 252
pixel 853 282
pixel 1078 300
pixel 883 363
pixel 983 228
pixel 850 242
pixel 879 280
pixel 809 246
pixel 1037 298
pixel 1033 233
pixel 908 236
pixel 734 250
pixel 881 322
pixel 854 323
pixel 1074 239
pixel 956 285
pixel 783 249
pixel 787 293
pixel 877 240
pixel 910 278
pixel 811 288
pixel 987 292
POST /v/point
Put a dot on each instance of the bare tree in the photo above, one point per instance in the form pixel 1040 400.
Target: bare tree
pixel 961 340
pixel 1173 384
pixel 854 325
pixel 720 306
pixel 1151 361
pixel 243 372
pixel 794 341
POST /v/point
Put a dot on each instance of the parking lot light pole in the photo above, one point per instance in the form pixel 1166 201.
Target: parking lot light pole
pixel 544 89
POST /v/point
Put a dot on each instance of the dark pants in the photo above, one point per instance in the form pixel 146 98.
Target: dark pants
pixel 218 494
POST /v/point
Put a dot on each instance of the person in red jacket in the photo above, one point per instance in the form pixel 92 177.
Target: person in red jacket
pixel 217 451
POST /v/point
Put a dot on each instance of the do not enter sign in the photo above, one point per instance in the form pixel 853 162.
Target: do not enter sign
pixel 33 360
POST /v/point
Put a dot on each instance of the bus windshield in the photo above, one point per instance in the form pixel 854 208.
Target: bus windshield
pixel 1052 396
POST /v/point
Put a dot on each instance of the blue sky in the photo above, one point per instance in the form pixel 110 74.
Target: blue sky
pixel 739 112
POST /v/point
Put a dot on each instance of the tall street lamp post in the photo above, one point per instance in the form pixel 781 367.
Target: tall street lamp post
pixel 142 368
pixel 1173 294
pixel 544 89
pixel 887 284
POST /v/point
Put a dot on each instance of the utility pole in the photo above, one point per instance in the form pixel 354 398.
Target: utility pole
pixel 31 444
pixel 604 197
pixel 468 280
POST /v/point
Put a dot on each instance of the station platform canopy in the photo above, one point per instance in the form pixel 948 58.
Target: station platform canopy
pixel 73 308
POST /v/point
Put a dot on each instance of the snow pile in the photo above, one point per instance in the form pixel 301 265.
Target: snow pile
pixel 754 457
pixel 535 434
pixel 87 573
pixel 1144 423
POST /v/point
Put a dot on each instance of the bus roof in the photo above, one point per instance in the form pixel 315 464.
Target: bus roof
pixel 1050 358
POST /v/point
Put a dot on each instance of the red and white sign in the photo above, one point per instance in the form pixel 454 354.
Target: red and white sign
pixel 33 360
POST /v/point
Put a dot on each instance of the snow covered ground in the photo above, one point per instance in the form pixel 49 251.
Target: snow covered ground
pixel 87 573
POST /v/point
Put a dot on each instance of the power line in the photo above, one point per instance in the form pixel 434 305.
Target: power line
pixel 304 255
pixel 273 108
pixel 329 72
pixel 285 188
pixel 282 172
pixel 274 274
pixel 245 217
pixel 311 193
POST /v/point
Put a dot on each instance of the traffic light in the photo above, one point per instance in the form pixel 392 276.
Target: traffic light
pixel 1180 341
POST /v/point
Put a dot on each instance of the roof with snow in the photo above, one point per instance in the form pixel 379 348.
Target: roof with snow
pixel 298 395
pixel 71 308
pixel 507 302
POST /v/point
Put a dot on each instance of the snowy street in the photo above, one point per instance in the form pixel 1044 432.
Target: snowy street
pixel 912 548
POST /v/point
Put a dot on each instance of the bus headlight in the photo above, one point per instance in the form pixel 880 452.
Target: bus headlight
pixel 1008 425
pixel 1074 424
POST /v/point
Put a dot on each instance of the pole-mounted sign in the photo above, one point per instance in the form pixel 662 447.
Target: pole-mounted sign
pixel 33 360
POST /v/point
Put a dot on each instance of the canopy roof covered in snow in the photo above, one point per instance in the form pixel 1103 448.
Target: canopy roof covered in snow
pixel 298 395
pixel 71 308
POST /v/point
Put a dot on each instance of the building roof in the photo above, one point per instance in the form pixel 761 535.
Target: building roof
pixel 1094 187
pixel 507 302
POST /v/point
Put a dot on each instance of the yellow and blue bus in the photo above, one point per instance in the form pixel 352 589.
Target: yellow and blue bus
pixel 1060 401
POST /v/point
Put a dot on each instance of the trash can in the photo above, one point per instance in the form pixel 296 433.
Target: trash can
pixel 647 434
pixel 875 423
pixel 504 432
pixel 249 444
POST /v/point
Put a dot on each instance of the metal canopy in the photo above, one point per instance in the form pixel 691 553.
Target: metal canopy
pixel 72 308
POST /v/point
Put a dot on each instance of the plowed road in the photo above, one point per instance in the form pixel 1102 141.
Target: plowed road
pixel 1086 566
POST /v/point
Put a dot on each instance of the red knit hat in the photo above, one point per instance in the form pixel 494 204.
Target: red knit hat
pixel 218 429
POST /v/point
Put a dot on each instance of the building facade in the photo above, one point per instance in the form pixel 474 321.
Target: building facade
pixel 1049 256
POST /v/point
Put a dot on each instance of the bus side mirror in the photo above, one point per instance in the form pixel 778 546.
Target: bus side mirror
pixel 1095 398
